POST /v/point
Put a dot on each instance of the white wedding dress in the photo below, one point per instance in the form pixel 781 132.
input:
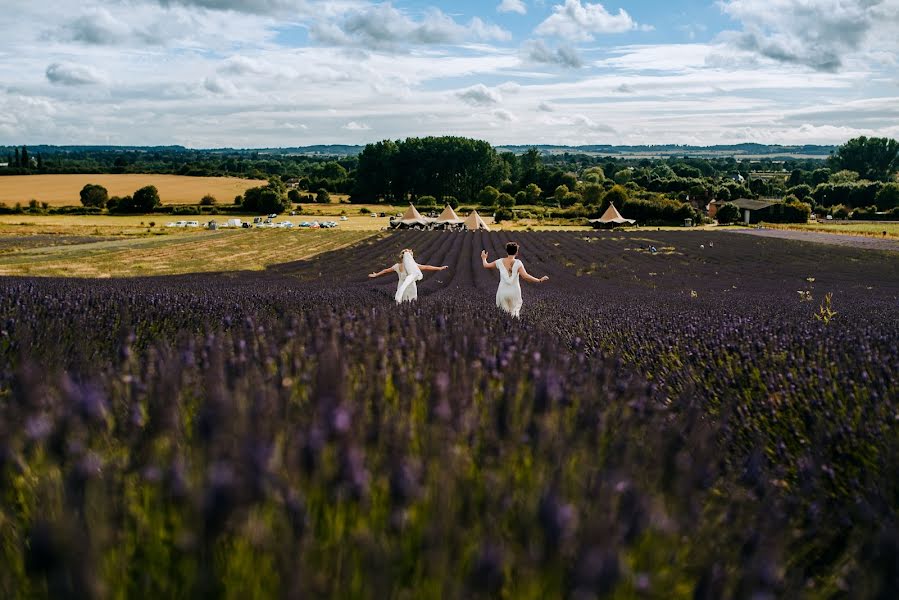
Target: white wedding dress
pixel 409 273
pixel 508 294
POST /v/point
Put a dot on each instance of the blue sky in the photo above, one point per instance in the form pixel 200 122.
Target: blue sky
pixel 251 73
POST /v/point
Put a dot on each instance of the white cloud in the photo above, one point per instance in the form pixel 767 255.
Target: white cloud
pixel 381 26
pixel 72 74
pixel 504 115
pixel 219 85
pixel 538 52
pixel 512 6
pixel 480 95
pixel 819 34
pixel 582 22
pixel 354 126
pixel 546 107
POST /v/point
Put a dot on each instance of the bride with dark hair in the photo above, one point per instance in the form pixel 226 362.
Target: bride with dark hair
pixel 409 272
pixel 511 269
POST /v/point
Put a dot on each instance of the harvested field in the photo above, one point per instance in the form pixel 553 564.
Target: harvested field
pixel 63 190
pixel 195 252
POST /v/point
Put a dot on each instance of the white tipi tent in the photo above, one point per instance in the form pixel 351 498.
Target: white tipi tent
pixel 474 222
pixel 611 217
pixel 448 217
pixel 411 218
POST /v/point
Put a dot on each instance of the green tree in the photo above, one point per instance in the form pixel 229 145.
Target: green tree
pixel 570 199
pixel 427 201
pixel 451 201
pixel 505 200
pixel 17 161
pixel 534 193
pixel 488 196
pixel 569 180
pixel 872 158
pixel 322 196
pixel 293 196
pixel 801 191
pixel 94 195
pixel 888 197
pixel 593 193
pixel 146 199
pixel 26 159
pixel 728 213
pixel 844 176
pixel 594 175
pixel 618 195
pixel 559 193
pixel 208 200
pixel 531 167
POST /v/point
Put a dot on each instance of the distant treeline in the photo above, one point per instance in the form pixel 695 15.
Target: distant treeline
pixel 857 177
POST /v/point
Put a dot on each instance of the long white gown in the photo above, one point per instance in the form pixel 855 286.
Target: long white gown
pixel 409 273
pixel 508 294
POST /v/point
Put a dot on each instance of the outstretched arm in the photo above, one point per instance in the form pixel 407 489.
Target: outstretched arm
pixel 379 273
pixel 430 268
pixel 487 265
pixel 530 278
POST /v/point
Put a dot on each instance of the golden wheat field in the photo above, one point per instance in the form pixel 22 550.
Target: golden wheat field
pixel 63 190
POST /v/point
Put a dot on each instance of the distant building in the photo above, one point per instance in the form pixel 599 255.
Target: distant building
pixel 754 211
pixel 4 165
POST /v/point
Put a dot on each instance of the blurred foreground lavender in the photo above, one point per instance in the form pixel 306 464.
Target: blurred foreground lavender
pixel 657 425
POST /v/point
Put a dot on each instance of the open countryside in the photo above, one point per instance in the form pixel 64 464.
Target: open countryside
pixel 423 299
pixel 63 190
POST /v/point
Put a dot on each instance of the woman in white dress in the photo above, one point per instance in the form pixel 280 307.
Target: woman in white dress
pixel 508 294
pixel 409 273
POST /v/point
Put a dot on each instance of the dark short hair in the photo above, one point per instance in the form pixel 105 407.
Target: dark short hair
pixel 512 248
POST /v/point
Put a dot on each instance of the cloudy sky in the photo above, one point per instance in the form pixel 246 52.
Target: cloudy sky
pixel 253 73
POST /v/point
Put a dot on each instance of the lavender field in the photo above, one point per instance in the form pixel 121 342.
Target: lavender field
pixel 715 419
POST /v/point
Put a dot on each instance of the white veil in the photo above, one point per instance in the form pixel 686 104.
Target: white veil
pixel 413 274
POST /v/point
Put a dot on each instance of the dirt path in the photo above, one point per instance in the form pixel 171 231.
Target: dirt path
pixel 835 239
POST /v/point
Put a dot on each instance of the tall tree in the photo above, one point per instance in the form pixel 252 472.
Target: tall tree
pixel 18 159
pixel 26 160
pixel 872 158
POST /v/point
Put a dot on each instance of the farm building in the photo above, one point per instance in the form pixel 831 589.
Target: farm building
pixel 753 211
pixel 611 218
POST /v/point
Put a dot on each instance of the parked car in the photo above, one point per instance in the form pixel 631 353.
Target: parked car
pixel 374 215
pixel 192 224
pixel 273 216
pixel 246 226
pixel 344 218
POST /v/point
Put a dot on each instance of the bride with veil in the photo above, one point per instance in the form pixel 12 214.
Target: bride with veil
pixel 511 269
pixel 409 272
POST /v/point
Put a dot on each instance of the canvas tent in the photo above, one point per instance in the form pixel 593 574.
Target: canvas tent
pixel 448 217
pixel 411 218
pixel 474 222
pixel 611 218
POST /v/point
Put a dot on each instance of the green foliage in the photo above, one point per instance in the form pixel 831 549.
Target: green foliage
pixel 293 196
pixel 593 193
pixel 208 200
pixel 322 196
pixel 271 198
pixel 728 213
pixel 451 201
pixel 534 193
pixel 801 191
pixel 488 196
pixel 888 197
pixel 431 166
pixel 94 195
pixel 144 200
pixel 871 158
pixel 570 199
pixel 505 200
pixel 844 176
pixel 560 193
pixel 427 201
pixel 618 195
pixel 503 214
